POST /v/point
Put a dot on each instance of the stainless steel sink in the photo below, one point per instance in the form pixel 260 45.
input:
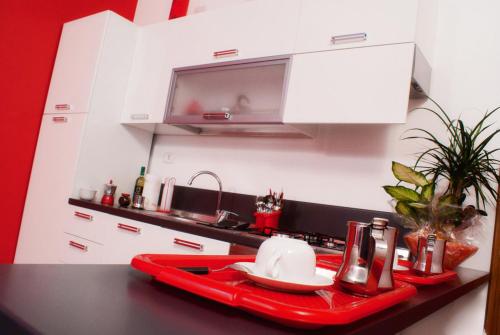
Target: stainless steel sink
pixel 187 217
pixel 224 220
pixel 196 217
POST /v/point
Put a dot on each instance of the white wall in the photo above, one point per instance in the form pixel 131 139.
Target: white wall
pixel 347 165
pixel 466 80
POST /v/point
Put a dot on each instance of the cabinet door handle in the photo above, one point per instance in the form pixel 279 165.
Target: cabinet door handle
pixel 63 107
pixel 61 119
pixel 78 246
pixel 217 116
pixel 226 53
pixel 84 216
pixel 129 228
pixel 349 38
pixel 188 244
pixel 139 116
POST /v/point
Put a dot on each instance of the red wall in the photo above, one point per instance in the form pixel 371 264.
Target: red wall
pixel 29 35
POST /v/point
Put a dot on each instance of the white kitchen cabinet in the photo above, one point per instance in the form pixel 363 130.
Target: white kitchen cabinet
pixel 256 29
pixel 259 28
pixel 244 93
pixel 76 250
pixel 371 71
pixel 358 85
pixel 104 238
pixel 127 238
pixel 87 148
pixel 76 65
pixel 85 223
pixel 339 24
pixel 51 181
pixel 189 244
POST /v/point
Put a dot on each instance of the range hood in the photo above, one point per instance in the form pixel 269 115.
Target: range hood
pixel 420 76
pixel 280 130
pixel 248 98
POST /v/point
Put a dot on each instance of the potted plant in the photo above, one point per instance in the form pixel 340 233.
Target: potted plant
pixel 463 166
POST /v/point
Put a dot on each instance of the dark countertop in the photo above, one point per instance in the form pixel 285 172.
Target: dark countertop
pixel 166 221
pixel 116 299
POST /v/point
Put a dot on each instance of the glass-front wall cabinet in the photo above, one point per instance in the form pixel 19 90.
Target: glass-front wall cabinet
pixel 233 93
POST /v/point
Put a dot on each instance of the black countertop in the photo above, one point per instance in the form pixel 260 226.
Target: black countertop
pixel 116 299
pixel 296 216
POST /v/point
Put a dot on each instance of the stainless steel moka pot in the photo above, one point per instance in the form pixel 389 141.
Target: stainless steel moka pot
pixel 430 255
pixel 367 264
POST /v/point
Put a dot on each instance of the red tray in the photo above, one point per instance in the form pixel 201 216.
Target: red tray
pixel 418 279
pixel 321 308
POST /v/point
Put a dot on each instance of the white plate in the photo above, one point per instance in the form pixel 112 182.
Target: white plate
pixel 323 279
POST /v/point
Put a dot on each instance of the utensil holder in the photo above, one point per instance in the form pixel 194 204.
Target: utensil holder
pixel 267 221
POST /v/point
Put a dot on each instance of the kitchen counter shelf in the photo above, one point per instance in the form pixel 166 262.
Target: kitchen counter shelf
pixel 116 299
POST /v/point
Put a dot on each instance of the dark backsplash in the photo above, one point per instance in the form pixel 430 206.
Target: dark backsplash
pixel 296 216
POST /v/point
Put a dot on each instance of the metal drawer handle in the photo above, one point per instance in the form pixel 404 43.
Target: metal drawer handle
pixel 139 116
pixel 217 116
pixel 84 216
pixel 60 119
pixel 226 53
pixel 63 107
pixel 129 228
pixel 78 246
pixel 339 39
pixel 188 244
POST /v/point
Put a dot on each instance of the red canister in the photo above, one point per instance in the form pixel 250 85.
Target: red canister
pixel 267 222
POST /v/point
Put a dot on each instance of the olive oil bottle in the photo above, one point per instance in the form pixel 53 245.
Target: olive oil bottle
pixel 139 183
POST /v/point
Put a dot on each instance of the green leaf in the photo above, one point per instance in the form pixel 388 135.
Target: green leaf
pixel 405 210
pixel 407 174
pixel 481 212
pixel 402 193
pixel 427 192
pixel 418 205
pixel 464 158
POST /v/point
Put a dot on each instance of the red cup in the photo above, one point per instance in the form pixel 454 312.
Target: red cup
pixel 266 222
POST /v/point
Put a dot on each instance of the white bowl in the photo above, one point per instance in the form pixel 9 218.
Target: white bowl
pixel 87 194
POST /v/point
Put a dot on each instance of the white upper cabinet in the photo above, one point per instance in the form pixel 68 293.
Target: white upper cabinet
pixel 259 28
pixel 256 29
pixel 237 93
pixel 150 77
pixel 339 24
pixel 359 85
pixel 76 65
pixel 373 66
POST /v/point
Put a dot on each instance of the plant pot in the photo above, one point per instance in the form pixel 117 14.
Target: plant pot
pixel 455 252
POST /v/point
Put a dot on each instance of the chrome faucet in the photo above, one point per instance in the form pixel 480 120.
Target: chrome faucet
pixel 218 211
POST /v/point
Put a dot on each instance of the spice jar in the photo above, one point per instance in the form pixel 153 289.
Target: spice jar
pixel 124 200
